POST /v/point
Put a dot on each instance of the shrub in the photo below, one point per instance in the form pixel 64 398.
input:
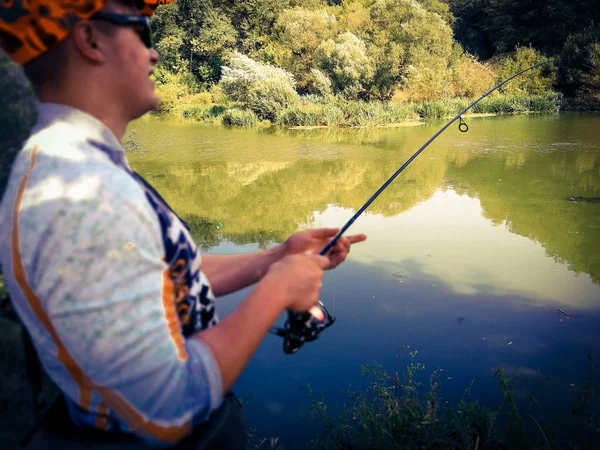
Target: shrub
pixel 535 82
pixel 579 68
pixel 346 63
pixel 171 87
pixel 312 99
pixel 264 89
pixel 239 117
pixel 202 98
pixel 318 83
pixel 471 78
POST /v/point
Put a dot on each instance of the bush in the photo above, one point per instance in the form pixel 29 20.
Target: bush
pixel 312 99
pixel 264 89
pixel 318 83
pixel 202 98
pixel 471 78
pixel 297 117
pixel 579 68
pixel 534 82
pixel 268 98
pixel 239 118
pixel 346 63
pixel 171 87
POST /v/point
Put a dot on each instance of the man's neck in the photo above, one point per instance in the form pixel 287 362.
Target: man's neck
pixel 105 111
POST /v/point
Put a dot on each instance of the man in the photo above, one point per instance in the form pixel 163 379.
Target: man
pixel 103 274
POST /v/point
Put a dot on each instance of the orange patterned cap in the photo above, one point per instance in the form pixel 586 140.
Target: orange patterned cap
pixel 29 28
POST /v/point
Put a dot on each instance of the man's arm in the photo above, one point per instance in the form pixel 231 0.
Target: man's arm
pixel 230 273
pixel 292 283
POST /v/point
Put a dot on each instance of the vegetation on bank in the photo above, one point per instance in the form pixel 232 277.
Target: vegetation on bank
pixel 391 414
pixel 366 62
pixel 251 93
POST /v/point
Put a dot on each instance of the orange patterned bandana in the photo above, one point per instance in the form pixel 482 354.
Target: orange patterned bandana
pixel 29 28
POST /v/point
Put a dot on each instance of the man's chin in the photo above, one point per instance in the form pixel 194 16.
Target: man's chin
pixel 152 105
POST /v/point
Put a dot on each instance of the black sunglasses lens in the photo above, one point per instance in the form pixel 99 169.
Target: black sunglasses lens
pixel 146 35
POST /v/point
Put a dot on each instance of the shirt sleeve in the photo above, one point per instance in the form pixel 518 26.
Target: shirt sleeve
pixel 97 267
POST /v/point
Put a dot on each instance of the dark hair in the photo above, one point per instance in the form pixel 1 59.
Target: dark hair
pixel 49 68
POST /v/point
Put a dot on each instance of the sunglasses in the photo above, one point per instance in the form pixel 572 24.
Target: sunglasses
pixel 142 24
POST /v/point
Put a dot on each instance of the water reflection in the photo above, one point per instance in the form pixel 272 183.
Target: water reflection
pixel 264 185
pixel 448 237
pixel 471 250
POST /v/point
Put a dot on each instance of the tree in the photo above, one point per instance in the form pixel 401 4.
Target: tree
pixel 346 63
pixel 579 64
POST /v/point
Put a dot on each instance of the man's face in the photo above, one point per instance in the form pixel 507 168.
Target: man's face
pixel 130 65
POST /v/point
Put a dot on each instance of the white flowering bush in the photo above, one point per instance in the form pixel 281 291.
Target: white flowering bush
pixel 264 89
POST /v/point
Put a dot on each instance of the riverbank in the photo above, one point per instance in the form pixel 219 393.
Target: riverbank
pixel 392 413
pixel 344 113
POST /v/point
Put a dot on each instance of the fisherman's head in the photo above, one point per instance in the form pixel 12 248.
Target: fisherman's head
pixel 71 49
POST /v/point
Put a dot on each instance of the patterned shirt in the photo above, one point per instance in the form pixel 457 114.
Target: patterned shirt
pixel 106 278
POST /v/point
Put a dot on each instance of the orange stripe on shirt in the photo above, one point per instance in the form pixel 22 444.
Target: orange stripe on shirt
pixel 173 325
pixel 135 420
pixel 101 422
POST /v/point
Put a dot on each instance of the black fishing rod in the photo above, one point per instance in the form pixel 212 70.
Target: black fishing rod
pixel 301 327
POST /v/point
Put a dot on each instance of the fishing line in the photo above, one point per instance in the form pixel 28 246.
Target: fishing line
pixel 301 327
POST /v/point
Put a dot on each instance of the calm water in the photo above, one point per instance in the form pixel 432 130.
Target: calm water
pixel 470 252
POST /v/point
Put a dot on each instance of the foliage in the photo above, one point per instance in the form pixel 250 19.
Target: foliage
pixel 17 114
pixel 172 87
pixel 439 7
pixel 346 64
pixel 579 66
pixel 406 45
pixel 470 77
pixel 262 88
pixel 318 83
pixel 487 27
pixel 535 82
pixel 300 31
pixel 407 39
pixel 392 414
pixel 239 117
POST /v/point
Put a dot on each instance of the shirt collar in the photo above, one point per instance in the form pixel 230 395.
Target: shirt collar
pixel 85 125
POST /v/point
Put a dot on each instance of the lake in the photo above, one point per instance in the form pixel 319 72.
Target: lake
pixel 471 251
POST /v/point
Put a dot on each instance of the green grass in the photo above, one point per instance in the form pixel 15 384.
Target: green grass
pixel 392 413
pixel 338 112
pixel 239 118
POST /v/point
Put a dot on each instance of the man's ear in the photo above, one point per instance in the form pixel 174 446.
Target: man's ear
pixel 89 42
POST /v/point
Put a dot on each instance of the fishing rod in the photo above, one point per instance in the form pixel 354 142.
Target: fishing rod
pixel 301 327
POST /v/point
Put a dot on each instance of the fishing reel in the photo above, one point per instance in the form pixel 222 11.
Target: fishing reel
pixel 301 327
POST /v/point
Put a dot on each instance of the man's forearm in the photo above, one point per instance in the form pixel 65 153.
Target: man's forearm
pixel 235 339
pixel 230 273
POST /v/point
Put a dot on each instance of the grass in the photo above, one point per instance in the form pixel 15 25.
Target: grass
pixel 337 112
pixel 392 414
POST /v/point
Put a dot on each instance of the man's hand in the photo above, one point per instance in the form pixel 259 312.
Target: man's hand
pixel 314 240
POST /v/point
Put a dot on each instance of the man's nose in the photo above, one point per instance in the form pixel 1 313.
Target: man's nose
pixel 154 57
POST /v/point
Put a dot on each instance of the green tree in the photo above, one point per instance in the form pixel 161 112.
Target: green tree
pixel 535 82
pixel 301 31
pixel 579 66
pixel 346 63
pixel 403 32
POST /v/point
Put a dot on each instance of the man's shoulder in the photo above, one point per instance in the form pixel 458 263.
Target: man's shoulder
pixel 69 176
